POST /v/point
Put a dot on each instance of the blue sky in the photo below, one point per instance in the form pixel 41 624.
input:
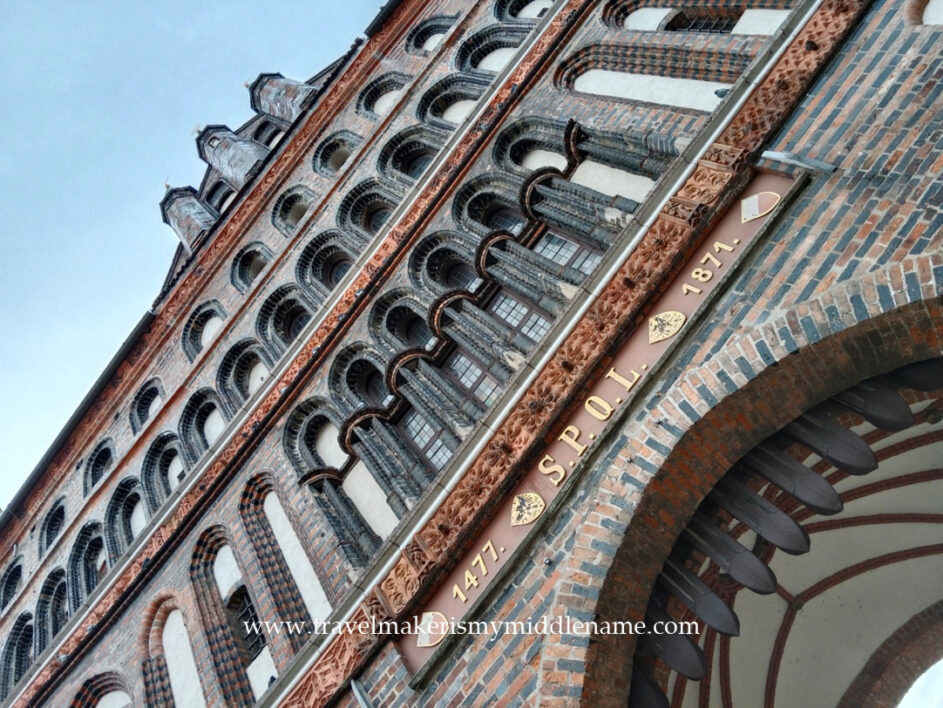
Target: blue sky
pixel 99 104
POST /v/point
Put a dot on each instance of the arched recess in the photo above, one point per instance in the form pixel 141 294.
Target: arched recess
pixel 169 668
pixel 163 469
pixel 695 79
pixel 125 517
pixel 52 609
pixel 776 381
pixel 489 50
pixel 88 563
pixel 241 657
pixel 17 656
pixel 107 690
pixel 293 580
pixel 242 372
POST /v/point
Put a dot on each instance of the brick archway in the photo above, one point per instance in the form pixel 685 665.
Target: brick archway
pixel 795 361
pixel 898 662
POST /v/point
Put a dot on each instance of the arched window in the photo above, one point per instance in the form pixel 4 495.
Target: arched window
pixel 291 207
pixel 288 569
pixel 99 464
pixel 247 265
pixel 366 208
pixel 52 609
pixel 202 327
pixel 202 422
pixel 409 327
pixel 311 438
pixel 17 653
pixel 225 603
pixel 489 50
pixel 366 382
pixel 145 404
pixel 242 372
pixel 704 21
pixel 10 585
pixel 220 196
pixel 407 155
pixel 488 204
pixel 170 672
pixel 126 516
pixel 163 469
pixel 676 76
pixel 424 437
pixel 268 134
pixel 334 151
pixel 450 271
pixel 528 10
pixel 381 94
pixel 448 102
pixel 282 317
pixel 428 34
pixel 88 563
pixel 324 262
pixel 52 527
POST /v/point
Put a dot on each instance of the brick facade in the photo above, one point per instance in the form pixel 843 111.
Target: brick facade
pixel 843 284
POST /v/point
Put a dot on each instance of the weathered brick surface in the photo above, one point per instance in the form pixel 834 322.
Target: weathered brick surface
pixel 846 286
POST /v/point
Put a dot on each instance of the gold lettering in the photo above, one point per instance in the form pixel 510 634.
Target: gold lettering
pixel 548 467
pixel 598 408
pixel 621 380
pixel 570 436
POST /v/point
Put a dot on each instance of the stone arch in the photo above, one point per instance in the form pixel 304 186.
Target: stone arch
pixel 366 208
pixel 293 577
pixel 488 203
pixel 158 682
pixel 325 260
pixel 770 386
pixel 354 378
pixel 302 431
pixel 52 609
pixel 53 525
pixel 11 582
pixel 88 563
pixel 525 11
pixel 422 258
pixel 229 661
pixel 523 137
